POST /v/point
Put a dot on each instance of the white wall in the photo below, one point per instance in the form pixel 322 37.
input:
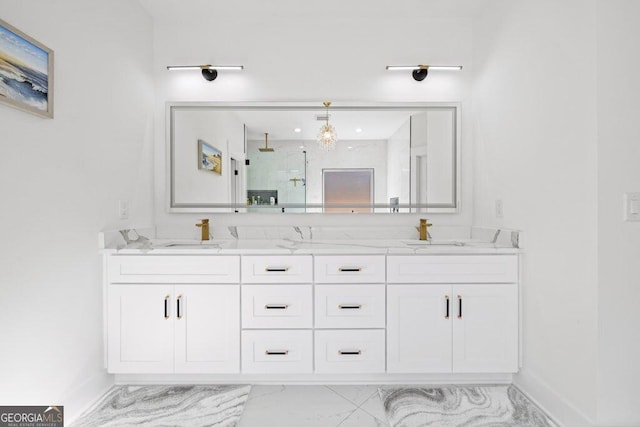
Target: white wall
pixel 61 180
pixel 618 241
pixel 337 51
pixel 398 163
pixel 535 148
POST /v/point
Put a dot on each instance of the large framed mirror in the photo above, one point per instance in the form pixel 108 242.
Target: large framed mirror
pixel 264 157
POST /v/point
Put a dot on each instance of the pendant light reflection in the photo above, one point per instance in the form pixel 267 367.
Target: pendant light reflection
pixel 327 135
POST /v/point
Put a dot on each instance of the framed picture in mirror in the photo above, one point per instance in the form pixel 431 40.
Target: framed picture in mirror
pixel 209 157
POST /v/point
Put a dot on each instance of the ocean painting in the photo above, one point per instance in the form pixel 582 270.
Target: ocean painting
pixel 26 72
pixel 209 157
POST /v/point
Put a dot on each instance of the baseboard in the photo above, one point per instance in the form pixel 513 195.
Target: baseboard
pixel 85 395
pixel 557 407
pixel 302 379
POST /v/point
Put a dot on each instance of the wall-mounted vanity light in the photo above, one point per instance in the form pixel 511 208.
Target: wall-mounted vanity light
pixel 209 72
pixel 420 71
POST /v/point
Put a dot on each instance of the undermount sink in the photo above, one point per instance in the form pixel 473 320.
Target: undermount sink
pixel 433 243
pixel 193 244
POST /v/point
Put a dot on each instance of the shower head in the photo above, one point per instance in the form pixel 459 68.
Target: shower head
pixel 266 148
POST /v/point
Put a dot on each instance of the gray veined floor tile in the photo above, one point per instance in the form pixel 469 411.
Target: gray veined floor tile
pixel 192 406
pixel 461 406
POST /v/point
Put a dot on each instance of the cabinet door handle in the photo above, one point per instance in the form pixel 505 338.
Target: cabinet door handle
pixel 446 297
pixel 459 307
pixel 276 269
pixel 166 307
pixel 178 304
pixel 349 269
pixel 276 306
pixel 276 352
pixel 349 352
pixel 349 306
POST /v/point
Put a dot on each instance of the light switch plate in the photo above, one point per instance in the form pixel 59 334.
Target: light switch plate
pixel 632 206
pixel 499 209
pixel 123 209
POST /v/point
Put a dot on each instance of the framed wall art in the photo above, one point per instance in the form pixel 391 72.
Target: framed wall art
pixel 26 72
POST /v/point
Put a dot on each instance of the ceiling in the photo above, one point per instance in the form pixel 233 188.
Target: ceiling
pixel 354 9
pixel 280 125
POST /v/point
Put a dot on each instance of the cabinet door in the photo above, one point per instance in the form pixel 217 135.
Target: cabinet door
pixel 418 330
pixel 140 329
pixel 207 328
pixel 485 331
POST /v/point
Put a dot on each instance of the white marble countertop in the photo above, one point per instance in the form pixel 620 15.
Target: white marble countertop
pixel 314 247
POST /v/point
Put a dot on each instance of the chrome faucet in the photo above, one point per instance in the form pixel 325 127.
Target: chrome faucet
pixel 424 229
pixel 204 225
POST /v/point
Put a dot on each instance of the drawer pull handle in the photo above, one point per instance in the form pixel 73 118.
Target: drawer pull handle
pixel 459 307
pixel 350 306
pixel 276 352
pixel 178 303
pixel 349 352
pixel 166 307
pixel 276 306
pixel 349 269
pixel 276 269
pixel 446 297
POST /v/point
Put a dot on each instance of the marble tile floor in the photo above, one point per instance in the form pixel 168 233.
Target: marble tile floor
pixel 310 406
pixel 494 406
pixel 189 405
pixel 314 406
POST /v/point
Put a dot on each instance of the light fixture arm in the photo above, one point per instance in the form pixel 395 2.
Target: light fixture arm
pixel 421 73
pixel 327 104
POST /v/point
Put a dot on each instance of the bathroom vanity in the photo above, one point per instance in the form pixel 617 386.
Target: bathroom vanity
pixel 274 310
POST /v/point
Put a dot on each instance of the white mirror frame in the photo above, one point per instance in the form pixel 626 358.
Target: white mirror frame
pixel 378 208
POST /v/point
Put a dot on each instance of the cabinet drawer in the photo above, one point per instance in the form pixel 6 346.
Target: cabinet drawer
pixel 452 269
pixel 277 269
pixel 352 351
pixel 277 352
pixel 350 269
pixel 173 269
pixel 350 306
pixel 276 306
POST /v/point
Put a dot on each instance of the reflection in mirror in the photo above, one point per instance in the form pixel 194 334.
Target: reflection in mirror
pixel 401 158
pixel 348 190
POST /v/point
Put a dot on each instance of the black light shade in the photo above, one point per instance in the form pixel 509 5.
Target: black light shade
pixel 209 74
pixel 420 74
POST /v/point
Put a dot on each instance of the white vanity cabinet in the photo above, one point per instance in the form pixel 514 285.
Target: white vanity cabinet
pixel 434 326
pixel 159 327
pixel 312 317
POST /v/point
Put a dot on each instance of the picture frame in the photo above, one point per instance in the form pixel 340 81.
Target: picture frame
pixel 209 157
pixel 26 72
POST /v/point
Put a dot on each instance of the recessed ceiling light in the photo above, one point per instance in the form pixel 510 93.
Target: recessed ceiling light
pixel 302 146
pixel 349 147
pixel 358 130
pixel 297 130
